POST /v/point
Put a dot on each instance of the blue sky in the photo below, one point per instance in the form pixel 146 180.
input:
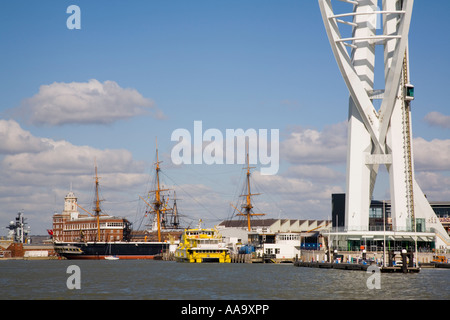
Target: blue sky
pixel 231 64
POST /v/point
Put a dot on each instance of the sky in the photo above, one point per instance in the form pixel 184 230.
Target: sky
pixel 139 70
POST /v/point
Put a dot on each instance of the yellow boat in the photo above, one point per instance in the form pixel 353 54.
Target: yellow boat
pixel 202 245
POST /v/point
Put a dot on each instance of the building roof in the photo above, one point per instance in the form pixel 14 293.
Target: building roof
pixel 101 218
pixel 277 225
pixel 243 223
pixel 70 195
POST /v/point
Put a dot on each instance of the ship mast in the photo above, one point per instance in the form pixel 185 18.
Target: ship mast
pixel 248 205
pixel 157 203
pixel 175 220
pixel 97 209
pixel 158 206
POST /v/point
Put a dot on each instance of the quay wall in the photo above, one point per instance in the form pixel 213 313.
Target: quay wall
pixel 27 251
pixel 241 258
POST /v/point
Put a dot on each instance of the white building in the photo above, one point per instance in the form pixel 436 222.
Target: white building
pixel 287 246
pixel 280 238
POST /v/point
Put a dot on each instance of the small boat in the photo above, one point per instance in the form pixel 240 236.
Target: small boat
pixel 111 258
pixel 201 246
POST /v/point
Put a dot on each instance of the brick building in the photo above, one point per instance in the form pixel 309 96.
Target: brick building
pixel 71 226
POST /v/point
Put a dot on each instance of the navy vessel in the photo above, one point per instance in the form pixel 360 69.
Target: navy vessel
pixel 100 236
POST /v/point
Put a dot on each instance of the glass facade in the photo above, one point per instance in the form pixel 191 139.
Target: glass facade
pixel 380 220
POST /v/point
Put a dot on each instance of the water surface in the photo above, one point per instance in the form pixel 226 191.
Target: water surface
pixel 146 279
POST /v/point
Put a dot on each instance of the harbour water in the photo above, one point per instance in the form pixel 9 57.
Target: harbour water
pixel 163 280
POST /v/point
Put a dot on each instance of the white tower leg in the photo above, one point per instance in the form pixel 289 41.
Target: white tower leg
pixel 358 173
pixel 359 141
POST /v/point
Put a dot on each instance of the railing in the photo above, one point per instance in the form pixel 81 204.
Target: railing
pixel 378 248
pixel 379 229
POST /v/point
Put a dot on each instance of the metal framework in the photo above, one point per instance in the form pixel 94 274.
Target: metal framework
pixel 383 136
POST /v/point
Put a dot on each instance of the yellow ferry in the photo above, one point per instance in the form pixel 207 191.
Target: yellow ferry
pixel 202 245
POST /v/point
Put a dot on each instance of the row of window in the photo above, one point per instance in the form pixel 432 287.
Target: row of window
pixel 92 231
pixel 289 237
pixel 92 238
pixel 209 251
pixel 196 233
pixel 69 235
pixel 203 241
pixel 87 226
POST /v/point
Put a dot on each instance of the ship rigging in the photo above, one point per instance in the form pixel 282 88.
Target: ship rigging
pixel 248 206
pixel 163 217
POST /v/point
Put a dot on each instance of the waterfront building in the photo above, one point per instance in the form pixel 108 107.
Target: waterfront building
pixel 72 226
pixel 442 210
pixel 381 228
pixel 286 246
pixel 274 225
pixel 281 239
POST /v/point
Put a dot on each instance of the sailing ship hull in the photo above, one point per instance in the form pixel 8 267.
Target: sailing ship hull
pixel 122 250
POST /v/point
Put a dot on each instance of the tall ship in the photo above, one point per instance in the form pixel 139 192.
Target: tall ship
pixel 97 235
pixel 201 245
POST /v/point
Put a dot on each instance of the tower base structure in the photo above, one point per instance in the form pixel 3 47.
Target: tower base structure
pixel 379 136
pixel 381 233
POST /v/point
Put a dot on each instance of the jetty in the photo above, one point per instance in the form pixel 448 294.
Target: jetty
pixel 393 264
pixel 332 265
pixel 433 265
pixel 356 266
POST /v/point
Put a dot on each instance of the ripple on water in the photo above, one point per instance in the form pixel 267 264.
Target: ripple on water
pixel 143 279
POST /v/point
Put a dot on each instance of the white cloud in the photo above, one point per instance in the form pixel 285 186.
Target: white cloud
pixel 13 139
pixel 36 175
pixel 65 158
pixel 295 197
pixel 84 103
pixel 299 187
pixel 432 166
pixel 435 185
pixel 431 155
pixel 309 146
pixel 438 119
pixel 315 173
pixel 199 201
